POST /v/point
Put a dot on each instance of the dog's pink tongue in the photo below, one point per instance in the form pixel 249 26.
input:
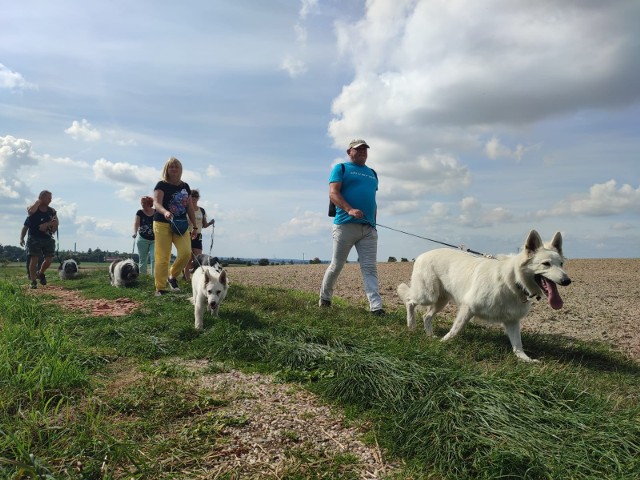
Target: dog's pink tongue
pixel 552 294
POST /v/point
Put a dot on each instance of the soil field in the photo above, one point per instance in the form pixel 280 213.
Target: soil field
pixel 602 303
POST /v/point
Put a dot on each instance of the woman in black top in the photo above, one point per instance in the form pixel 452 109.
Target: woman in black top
pixel 143 230
pixel 172 205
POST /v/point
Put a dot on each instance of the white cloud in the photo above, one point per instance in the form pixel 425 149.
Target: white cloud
pixel 133 180
pixel 83 131
pixel 307 224
pixel 13 80
pixel 473 214
pixel 15 153
pixel 124 173
pixel 494 150
pixel 212 171
pixel 307 7
pixel 293 66
pixel 64 161
pixel 602 200
pixel 441 75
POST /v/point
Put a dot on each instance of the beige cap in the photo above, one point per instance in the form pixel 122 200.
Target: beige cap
pixel 358 142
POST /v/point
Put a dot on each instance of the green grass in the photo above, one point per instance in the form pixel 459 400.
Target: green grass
pixel 102 397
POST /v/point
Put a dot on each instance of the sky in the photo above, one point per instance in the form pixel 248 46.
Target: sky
pixel 485 119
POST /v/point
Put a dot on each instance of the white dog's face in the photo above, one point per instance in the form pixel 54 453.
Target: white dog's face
pixel 216 289
pixel 545 269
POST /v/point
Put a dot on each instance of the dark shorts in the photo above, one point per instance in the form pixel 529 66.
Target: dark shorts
pixel 37 246
pixel 197 242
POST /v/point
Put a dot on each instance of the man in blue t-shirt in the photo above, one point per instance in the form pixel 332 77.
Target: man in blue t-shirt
pixel 352 189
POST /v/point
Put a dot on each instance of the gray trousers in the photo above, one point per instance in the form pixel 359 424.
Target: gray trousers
pixel 365 239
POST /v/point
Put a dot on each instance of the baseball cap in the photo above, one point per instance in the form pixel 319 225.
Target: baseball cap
pixel 358 142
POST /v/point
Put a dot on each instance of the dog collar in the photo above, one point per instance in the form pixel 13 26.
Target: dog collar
pixel 527 293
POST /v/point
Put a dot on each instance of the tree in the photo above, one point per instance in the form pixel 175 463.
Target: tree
pixel 392 259
pixel 263 262
pixel 403 259
pixel 315 261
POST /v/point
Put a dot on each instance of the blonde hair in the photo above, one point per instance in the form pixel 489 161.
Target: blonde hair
pixel 168 163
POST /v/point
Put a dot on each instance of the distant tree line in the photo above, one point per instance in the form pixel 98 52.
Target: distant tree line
pixel 9 253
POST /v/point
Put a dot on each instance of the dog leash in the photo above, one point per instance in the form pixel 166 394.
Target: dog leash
pixel 195 258
pixel 458 247
pixel 213 228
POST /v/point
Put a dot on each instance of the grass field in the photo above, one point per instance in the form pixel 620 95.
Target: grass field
pixel 84 396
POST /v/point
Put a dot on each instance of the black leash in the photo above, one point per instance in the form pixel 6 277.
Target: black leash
pixel 58 245
pixel 458 247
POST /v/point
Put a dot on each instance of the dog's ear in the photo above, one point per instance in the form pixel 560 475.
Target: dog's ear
pixel 533 242
pixel 556 243
pixel 207 278
pixel 223 277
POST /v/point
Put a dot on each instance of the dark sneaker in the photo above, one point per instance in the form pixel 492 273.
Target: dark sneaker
pixel 173 283
pixel 159 293
pixel 324 303
pixel 43 278
pixel 34 284
pixel 377 313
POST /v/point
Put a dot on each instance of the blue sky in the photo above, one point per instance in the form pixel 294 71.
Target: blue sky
pixel 485 119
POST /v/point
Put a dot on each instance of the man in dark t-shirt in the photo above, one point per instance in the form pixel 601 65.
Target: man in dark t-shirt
pixel 43 223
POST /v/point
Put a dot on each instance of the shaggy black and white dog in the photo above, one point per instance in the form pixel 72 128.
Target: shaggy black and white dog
pixel 123 272
pixel 203 260
pixel 68 269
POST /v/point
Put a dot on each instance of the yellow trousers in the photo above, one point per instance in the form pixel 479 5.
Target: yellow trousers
pixel 164 239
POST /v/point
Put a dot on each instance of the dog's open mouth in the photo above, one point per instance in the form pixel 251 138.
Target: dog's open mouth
pixel 551 290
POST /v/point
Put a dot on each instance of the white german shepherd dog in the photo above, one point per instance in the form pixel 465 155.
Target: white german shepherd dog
pixel 497 290
pixel 209 287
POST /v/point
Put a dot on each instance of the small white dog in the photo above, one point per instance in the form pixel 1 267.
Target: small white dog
pixel 68 269
pixel 497 290
pixel 123 272
pixel 209 289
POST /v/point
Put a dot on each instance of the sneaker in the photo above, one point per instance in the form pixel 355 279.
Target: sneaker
pixel 324 303
pixel 42 277
pixel 173 283
pixel 159 293
pixel 34 284
pixel 377 313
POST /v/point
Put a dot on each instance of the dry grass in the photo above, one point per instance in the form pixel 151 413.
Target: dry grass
pixel 601 304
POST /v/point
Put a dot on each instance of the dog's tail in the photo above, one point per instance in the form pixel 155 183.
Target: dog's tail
pixel 403 291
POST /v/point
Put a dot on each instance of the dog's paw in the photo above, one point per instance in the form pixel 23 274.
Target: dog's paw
pixel 524 357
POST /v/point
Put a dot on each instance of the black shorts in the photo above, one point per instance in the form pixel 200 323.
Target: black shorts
pixel 197 242
pixel 37 246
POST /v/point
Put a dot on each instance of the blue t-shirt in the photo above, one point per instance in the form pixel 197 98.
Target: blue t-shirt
pixel 359 186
